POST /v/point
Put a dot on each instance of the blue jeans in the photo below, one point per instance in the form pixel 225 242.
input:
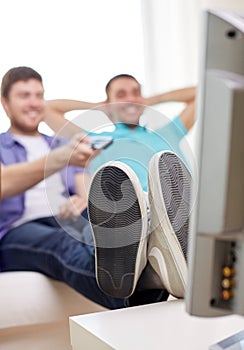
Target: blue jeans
pixel 43 245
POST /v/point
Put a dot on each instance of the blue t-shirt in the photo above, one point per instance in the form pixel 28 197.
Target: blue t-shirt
pixel 136 147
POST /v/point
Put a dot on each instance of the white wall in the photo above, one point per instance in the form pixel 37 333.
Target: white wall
pixel 76 45
pixel 172 43
pixel 172 40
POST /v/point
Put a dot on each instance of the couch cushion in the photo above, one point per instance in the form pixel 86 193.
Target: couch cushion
pixel 29 298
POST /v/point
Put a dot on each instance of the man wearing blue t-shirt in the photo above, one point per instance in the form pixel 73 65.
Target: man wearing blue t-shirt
pixel 134 232
pixel 133 144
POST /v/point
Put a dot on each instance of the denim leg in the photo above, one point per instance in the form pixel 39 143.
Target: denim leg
pixel 43 246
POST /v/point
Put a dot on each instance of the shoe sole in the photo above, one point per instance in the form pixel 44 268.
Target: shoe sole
pixel 118 217
pixel 169 197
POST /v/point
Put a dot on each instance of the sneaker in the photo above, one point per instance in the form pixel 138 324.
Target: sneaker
pixel 169 185
pixel 118 216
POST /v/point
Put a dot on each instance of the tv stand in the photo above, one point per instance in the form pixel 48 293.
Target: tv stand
pixel 157 326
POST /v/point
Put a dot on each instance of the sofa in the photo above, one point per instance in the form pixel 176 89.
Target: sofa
pixel 35 310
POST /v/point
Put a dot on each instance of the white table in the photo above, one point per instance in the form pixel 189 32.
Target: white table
pixel 161 326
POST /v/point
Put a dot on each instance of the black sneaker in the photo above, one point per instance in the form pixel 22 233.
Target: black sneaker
pixel 169 198
pixel 118 216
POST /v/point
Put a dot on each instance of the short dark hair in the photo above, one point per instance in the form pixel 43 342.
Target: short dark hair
pixel 17 74
pixel 117 77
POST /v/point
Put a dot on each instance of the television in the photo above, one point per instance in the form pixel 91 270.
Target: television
pixel 215 284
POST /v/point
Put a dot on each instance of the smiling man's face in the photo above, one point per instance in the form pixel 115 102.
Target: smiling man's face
pixel 126 101
pixel 25 106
